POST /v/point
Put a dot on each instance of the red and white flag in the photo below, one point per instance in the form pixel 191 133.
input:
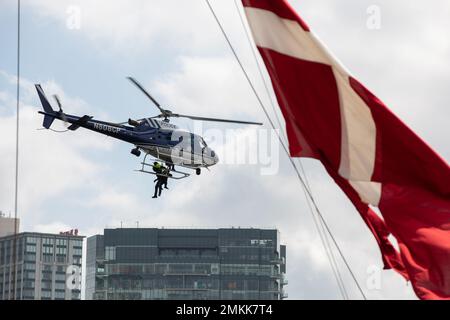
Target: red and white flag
pixel 369 152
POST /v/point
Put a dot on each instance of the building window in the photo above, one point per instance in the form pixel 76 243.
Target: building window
pixel 28 284
pixel 77 251
pixel 48 241
pixel 30 266
pixel 47 276
pixel 46 284
pixel 60 285
pixel 60 277
pixel 76 295
pixel 47 267
pixel 30 257
pixel 61 250
pixel 60 295
pixel 110 253
pixel 28 294
pixel 230 285
pixel 46 294
pixel 61 242
pixel 47 249
pixel 47 257
pixel 77 243
pixel 215 268
pixel 77 260
pixel 32 240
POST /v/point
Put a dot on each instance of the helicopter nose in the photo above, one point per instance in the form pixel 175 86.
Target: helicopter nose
pixel 214 156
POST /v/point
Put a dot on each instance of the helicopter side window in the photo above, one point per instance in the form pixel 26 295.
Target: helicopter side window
pixel 197 143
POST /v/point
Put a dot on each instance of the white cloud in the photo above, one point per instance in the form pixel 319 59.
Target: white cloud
pixel 203 85
pixel 54 227
pixel 50 164
pixel 137 25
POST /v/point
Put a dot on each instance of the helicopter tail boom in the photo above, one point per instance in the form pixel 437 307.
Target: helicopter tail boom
pixel 48 110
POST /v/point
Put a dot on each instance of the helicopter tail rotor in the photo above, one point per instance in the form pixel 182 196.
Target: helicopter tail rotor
pixel 61 112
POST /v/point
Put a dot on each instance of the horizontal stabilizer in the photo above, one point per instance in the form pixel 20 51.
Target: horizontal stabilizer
pixel 83 120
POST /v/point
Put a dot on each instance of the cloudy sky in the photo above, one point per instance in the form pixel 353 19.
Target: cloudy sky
pixel 86 181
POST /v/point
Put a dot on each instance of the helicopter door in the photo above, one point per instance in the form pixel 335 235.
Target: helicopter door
pixel 196 150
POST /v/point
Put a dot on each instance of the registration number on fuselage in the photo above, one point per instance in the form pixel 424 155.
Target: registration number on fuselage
pixel 105 127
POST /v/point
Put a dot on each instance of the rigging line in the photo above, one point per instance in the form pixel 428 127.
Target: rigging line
pixel 318 223
pixel 330 252
pixel 285 148
pixel 16 188
pixel 247 34
pixel 321 224
pixel 327 247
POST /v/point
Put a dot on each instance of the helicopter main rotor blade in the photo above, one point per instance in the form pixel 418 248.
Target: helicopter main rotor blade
pixel 215 119
pixel 137 84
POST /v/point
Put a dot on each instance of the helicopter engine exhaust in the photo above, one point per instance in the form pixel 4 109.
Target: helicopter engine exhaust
pixel 133 123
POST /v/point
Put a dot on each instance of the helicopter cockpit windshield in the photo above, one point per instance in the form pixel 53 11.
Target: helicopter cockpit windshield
pixel 206 151
pixel 203 143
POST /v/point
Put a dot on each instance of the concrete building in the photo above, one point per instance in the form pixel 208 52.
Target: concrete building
pixel 186 264
pixel 48 266
pixel 7 225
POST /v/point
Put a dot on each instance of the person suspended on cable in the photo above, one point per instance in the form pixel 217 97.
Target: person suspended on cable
pixel 170 166
pixel 157 167
pixel 165 177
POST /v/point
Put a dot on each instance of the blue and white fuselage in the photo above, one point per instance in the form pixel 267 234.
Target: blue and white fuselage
pixel 160 139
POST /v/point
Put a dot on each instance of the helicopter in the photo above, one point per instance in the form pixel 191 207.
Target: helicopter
pixel 155 136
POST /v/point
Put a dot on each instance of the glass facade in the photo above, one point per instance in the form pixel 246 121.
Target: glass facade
pixel 185 264
pixel 41 265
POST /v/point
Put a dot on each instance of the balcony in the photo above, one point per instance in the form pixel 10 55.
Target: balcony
pixel 277 260
pixel 187 289
pixel 188 273
pixel 284 281
pixel 277 276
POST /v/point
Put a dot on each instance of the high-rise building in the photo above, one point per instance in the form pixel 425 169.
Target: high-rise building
pixel 48 266
pixel 196 264
pixel 95 259
pixel 7 227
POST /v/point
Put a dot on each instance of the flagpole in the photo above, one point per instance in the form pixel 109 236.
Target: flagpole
pixel 14 257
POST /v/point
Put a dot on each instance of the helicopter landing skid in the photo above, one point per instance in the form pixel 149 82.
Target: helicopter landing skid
pixel 179 174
